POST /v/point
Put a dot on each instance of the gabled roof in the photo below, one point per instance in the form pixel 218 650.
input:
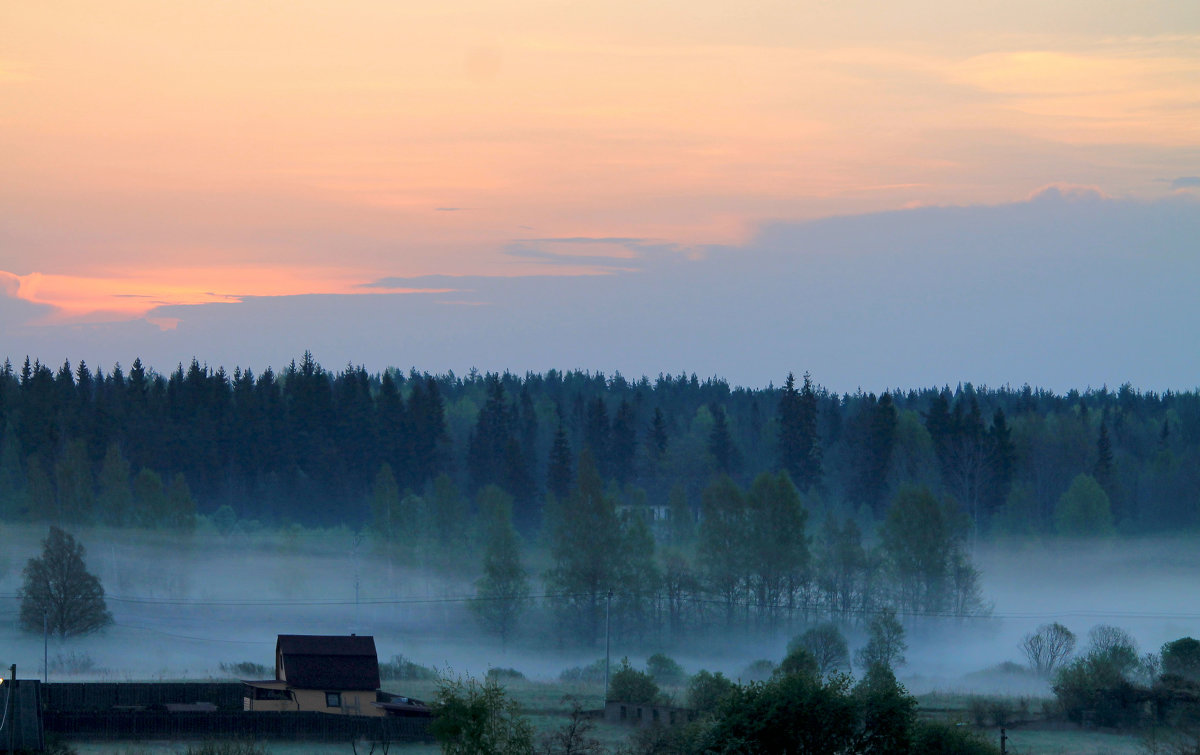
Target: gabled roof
pixel 330 662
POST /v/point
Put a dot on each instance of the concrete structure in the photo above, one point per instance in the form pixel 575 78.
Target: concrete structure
pixel 643 714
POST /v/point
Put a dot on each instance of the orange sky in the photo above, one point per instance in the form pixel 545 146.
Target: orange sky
pixel 186 152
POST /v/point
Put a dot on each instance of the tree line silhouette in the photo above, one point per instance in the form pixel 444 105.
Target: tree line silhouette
pixel 307 445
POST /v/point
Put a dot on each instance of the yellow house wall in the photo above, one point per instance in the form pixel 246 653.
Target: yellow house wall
pixel 268 706
pixel 354 702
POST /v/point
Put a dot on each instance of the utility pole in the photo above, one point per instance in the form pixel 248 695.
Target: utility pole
pixel 9 714
pixel 357 620
pixel 45 649
pixel 607 644
pixel 1003 743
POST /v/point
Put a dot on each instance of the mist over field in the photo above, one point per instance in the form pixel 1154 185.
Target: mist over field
pixel 183 606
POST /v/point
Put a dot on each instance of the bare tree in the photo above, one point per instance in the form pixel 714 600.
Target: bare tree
pixel 1048 647
pixel 60 594
pixel 573 738
pixel 827 645
pixel 885 645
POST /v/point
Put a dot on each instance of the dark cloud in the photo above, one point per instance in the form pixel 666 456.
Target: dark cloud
pixel 1186 182
pixel 16 313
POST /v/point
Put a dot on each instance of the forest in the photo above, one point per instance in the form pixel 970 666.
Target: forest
pixel 669 504
pixel 308 445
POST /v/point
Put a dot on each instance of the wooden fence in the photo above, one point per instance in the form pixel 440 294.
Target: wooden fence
pixel 105 696
pixel 149 724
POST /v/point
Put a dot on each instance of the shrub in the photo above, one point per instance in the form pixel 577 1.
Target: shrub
pixel 706 691
pixel 226 748
pixel 977 707
pixel 1096 685
pixel 799 661
pixel 247 670
pixel 628 685
pixel 73 663
pixel 504 674
pixel 665 670
pixel 931 738
pixel 593 673
pixel 1182 658
pixel 225 520
pixel 402 668
pixel 758 671
pixel 1000 711
pixel 472 718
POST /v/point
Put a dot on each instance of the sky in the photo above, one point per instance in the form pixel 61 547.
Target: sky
pixel 885 194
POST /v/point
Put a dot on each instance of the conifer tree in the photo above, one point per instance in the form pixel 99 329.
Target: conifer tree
pixel 596 435
pixel 720 443
pixel 75 486
pixel 149 499
pixel 115 500
pixel 488 453
pixel 558 470
pixel 683 524
pixel 658 435
pixel 502 593
pixel 799 444
pixel 584 548
pixel 1001 464
pixel 723 541
pixel 385 506
pixel 1105 471
pixel 449 512
pixel 624 442
pixel 40 504
pixel 12 477
pixel 181 507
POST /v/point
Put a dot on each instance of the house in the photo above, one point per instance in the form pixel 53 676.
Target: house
pixel 324 673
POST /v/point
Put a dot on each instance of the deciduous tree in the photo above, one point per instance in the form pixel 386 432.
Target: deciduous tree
pixel 59 592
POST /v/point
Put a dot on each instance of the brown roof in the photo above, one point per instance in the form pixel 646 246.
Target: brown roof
pixel 330 662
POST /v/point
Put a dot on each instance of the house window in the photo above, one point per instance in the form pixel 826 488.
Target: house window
pixel 333 699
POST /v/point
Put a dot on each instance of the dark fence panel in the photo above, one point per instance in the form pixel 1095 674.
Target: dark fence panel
pixel 103 696
pixel 232 725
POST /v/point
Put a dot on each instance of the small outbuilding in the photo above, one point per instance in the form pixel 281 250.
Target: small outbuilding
pixel 644 714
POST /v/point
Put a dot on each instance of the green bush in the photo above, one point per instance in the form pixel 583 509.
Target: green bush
pixel 248 670
pixel 226 748
pixel 1094 689
pixel 504 674
pixel 628 685
pixel 402 668
pixel 225 520
pixel 758 671
pixel 931 738
pixel 1182 658
pixel 665 670
pixel 593 673
pixel 706 691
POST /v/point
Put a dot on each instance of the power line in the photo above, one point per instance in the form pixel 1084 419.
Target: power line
pixel 599 596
